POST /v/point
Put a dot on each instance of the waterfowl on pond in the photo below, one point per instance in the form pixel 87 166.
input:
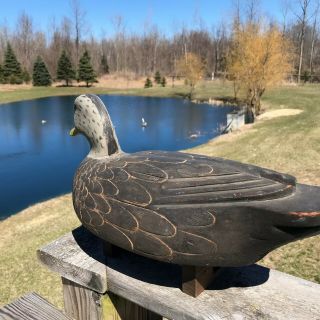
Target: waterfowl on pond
pixel 143 123
pixel 184 208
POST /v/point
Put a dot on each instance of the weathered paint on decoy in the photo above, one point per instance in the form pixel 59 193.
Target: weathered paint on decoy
pixel 185 208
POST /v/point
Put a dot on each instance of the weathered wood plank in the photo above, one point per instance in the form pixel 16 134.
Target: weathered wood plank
pixel 118 308
pixel 236 293
pixel 81 303
pixel 31 307
pixel 73 263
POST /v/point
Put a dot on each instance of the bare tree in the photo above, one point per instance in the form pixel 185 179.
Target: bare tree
pixel 24 40
pixel 303 20
pixel 236 14
pixel 285 7
pixel 313 35
pixel 119 42
pixel 253 11
pixel 78 16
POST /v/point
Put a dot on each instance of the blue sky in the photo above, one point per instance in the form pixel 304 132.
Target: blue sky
pixel 168 15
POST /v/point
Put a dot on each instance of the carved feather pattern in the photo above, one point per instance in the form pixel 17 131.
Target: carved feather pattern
pixel 139 201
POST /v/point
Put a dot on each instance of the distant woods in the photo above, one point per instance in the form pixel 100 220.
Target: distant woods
pixel 142 54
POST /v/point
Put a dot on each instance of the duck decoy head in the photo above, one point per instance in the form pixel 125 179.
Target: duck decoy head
pixel 91 119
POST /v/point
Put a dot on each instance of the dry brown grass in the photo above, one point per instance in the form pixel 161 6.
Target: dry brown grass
pixel 13 87
pixel 110 81
pixel 120 82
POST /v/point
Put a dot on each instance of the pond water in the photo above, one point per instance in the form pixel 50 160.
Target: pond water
pixel 38 158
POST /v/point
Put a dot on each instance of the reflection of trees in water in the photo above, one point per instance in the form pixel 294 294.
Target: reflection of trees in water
pixel 64 111
pixel 35 126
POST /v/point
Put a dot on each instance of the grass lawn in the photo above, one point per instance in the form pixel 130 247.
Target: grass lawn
pixel 204 91
pixel 290 144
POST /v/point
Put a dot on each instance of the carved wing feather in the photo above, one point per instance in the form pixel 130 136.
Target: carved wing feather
pixel 138 201
pixel 192 179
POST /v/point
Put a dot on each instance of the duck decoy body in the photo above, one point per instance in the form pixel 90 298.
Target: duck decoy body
pixel 184 208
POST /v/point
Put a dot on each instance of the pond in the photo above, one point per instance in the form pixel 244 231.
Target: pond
pixel 38 158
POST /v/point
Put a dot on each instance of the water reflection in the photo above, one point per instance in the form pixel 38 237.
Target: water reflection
pixel 38 160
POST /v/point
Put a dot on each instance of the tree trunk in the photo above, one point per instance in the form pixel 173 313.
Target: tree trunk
pixel 300 56
pixel 303 19
pixel 190 95
pixel 313 40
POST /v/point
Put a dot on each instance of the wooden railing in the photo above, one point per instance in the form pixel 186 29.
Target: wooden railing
pixel 132 287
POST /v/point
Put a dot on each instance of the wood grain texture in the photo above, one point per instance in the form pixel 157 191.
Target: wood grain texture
pixel 190 209
pixel 118 308
pixel 31 307
pixel 196 279
pixel 81 303
pixel 252 292
pixel 73 263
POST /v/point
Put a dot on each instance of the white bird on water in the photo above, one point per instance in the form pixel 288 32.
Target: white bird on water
pixel 43 121
pixel 143 123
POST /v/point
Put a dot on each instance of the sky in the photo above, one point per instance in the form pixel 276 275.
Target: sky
pixel 168 15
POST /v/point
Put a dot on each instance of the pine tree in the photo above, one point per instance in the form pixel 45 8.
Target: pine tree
pixel 86 72
pixel 157 77
pixel 104 67
pixel 11 67
pixel 163 82
pixel 41 76
pixel 148 83
pixel 64 69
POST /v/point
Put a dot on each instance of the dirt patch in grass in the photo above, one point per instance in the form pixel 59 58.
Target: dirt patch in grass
pixel 268 115
pixel 279 113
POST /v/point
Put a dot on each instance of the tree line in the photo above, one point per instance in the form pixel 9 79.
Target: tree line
pixel 142 54
pixel 11 71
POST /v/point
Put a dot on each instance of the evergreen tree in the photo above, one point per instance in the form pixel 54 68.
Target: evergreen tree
pixel 104 67
pixel 157 77
pixel 64 69
pixel 11 67
pixel 26 76
pixel 41 76
pixel 163 82
pixel 86 72
pixel 148 83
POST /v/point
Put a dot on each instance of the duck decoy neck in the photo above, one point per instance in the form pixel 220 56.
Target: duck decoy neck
pixel 98 127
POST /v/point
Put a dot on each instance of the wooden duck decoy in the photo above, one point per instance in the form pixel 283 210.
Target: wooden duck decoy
pixel 183 208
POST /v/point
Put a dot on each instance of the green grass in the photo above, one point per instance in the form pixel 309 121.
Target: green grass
pixel 20 236
pixel 289 144
pixel 203 91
